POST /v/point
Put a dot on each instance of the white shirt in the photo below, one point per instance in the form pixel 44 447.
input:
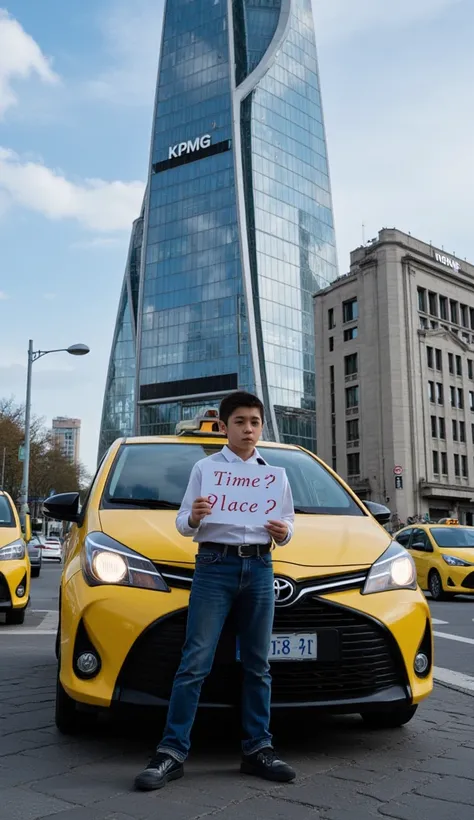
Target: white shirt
pixel 222 533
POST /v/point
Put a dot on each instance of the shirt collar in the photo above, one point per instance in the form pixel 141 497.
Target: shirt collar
pixel 232 457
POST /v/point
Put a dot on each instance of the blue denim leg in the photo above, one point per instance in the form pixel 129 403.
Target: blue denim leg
pixel 214 588
pixel 255 609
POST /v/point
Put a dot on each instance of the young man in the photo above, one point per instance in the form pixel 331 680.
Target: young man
pixel 233 570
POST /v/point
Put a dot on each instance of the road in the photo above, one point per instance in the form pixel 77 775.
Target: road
pixel 345 772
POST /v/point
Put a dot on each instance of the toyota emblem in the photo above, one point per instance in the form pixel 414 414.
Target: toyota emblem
pixel 284 590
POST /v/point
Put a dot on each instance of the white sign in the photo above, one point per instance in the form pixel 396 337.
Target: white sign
pixel 446 260
pixel 189 147
pixel 242 494
pixel 398 470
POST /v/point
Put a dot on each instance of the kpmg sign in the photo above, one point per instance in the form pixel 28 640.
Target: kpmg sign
pixel 446 260
pixel 189 147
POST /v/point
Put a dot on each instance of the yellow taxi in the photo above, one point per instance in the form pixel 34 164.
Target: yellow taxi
pixel 444 557
pixel 354 625
pixel 15 569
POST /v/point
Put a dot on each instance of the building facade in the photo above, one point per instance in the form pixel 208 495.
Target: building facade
pixel 67 436
pixel 236 233
pixel 395 378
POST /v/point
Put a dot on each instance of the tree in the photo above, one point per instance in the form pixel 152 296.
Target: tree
pixel 49 468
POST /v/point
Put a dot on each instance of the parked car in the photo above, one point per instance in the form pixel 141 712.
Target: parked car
pixel 444 557
pixel 52 549
pixel 348 608
pixel 15 568
pixel 35 552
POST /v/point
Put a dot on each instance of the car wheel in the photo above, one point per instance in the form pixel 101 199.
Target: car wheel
pixel 35 572
pixel 435 586
pixel 389 720
pixel 66 715
pixel 15 616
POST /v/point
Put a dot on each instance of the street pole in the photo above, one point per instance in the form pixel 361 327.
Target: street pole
pixel 26 463
pixel 3 468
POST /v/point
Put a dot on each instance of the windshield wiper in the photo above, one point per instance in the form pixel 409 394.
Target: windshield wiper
pixel 153 503
pixel 304 511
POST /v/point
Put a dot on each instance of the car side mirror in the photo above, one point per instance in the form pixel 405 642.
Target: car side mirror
pixel 63 507
pixel 420 546
pixel 381 513
pixel 27 532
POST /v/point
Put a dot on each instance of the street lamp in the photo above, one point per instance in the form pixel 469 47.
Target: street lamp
pixel 33 356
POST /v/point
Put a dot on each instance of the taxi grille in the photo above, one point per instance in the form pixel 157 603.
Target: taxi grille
pixel 358 658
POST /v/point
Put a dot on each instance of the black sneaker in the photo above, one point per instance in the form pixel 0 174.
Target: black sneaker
pixel 266 763
pixel 161 769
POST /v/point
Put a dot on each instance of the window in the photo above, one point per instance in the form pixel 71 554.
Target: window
pixel 434 325
pixel 331 322
pixel 442 428
pixel 471 316
pixel 469 369
pixel 430 357
pixel 350 311
pixel 466 337
pixel 331 344
pixel 404 537
pixel 434 426
pixel 350 334
pixel 433 303
pixel 452 391
pixel 352 430
pixel 464 466
pixel 455 430
pixel 460 398
pixel 451 363
pixel 458 366
pixel 350 364
pixel 454 311
pixel 462 431
pixel 440 392
pixel 353 464
pixel 6 513
pixel 471 400
pixel 431 391
pixel 439 360
pixel 443 307
pixel 457 471
pixel 435 462
pixel 472 432
pixel 423 323
pixel 464 317
pixel 352 397
pixel 422 300
pixel 444 463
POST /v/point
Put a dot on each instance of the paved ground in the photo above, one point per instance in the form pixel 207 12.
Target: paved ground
pixel 345 772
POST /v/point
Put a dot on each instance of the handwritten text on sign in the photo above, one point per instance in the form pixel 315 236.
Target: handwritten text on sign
pixel 242 494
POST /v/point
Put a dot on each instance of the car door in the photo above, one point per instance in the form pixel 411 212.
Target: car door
pixel 420 549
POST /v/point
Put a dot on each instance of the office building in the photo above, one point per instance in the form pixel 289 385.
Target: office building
pixel 395 377
pixel 67 436
pixel 236 232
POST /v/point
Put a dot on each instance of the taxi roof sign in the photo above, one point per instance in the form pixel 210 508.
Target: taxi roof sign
pixel 450 522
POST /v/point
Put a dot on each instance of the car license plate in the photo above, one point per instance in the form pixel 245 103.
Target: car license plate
pixel 292 646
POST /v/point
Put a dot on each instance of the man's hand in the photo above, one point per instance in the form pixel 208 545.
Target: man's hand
pixel 200 509
pixel 277 529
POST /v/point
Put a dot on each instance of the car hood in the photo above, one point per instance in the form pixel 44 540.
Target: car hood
pixel 7 535
pixel 319 541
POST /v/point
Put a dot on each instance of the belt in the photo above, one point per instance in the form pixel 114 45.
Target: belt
pixel 241 550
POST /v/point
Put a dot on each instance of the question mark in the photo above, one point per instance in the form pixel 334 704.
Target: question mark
pixel 270 478
pixel 212 500
pixel 270 501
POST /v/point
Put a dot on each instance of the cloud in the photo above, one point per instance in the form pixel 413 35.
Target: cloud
pixel 132 38
pixel 99 242
pixel 20 57
pixel 3 296
pixel 341 19
pixel 97 205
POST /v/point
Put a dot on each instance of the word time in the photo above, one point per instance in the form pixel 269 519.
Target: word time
pixel 242 494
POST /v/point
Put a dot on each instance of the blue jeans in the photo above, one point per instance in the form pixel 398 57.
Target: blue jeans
pixel 221 583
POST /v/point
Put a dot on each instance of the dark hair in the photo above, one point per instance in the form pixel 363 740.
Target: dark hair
pixel 239 399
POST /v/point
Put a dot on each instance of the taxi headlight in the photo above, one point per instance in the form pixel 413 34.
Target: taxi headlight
pixel 455 562
pixel 106 561
pixel 395 569
pixel 13 552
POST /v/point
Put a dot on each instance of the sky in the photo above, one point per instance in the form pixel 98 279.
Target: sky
pixel 76 96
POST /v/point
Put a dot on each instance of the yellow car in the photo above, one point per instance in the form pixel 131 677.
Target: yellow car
pixel 444 557
pixel 15 569
pixel 352 630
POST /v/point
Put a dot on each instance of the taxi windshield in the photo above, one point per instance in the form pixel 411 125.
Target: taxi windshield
pixel 454 537
pixel 155 476
pixel 6 513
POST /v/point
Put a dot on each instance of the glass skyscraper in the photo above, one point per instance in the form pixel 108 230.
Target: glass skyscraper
pixel 236 232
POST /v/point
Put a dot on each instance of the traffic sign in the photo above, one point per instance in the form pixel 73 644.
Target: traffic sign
pixel 398 470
